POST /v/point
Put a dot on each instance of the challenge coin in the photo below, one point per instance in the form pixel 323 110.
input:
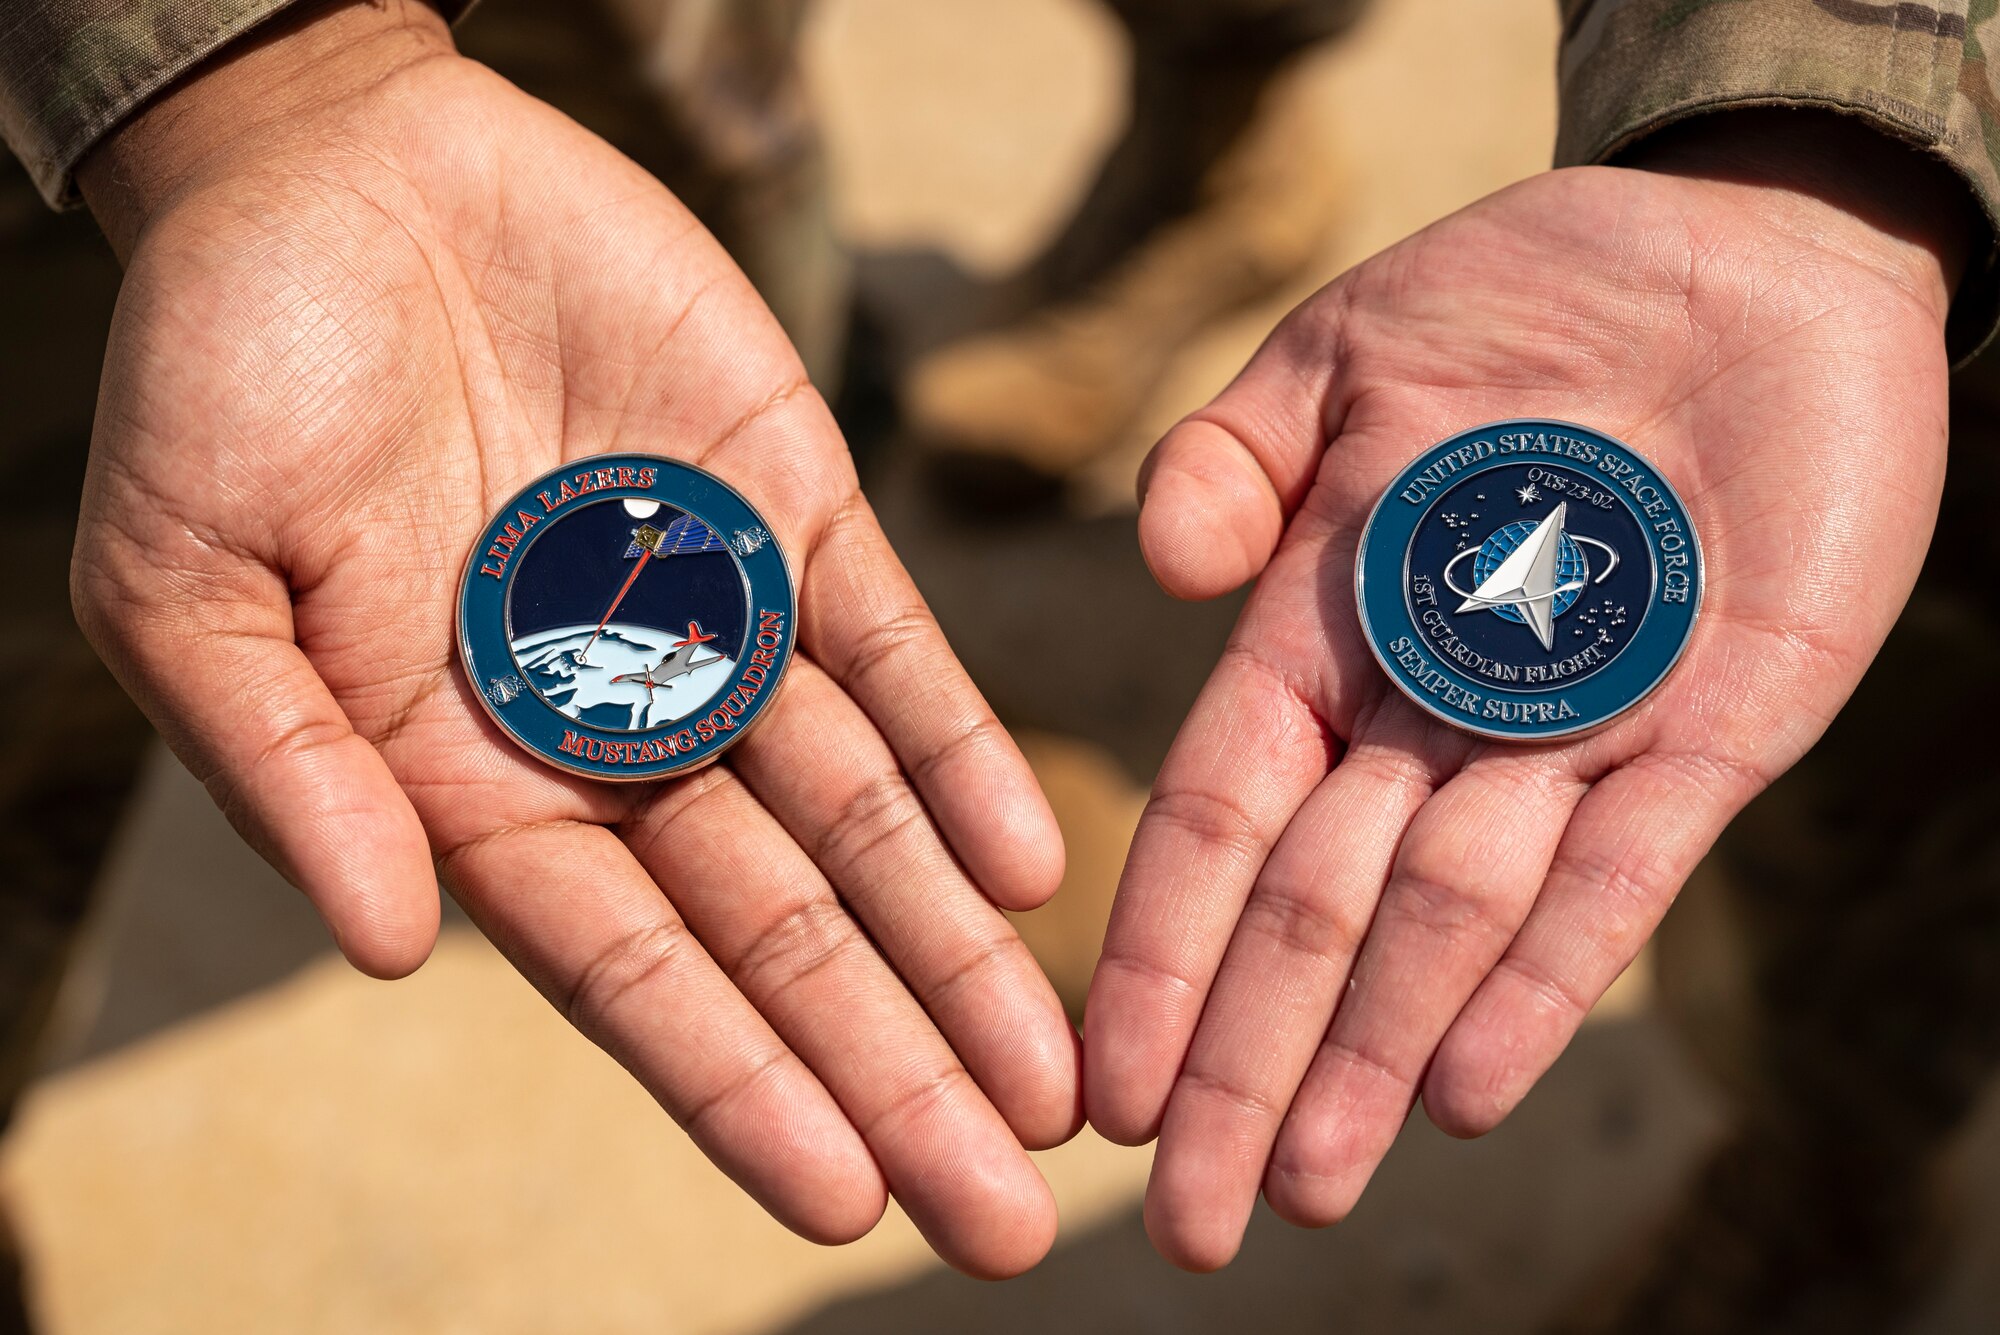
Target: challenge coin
pixel 626 617
pixel 1528 580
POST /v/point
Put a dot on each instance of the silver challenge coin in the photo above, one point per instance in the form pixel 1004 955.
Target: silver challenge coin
pixel 1528 580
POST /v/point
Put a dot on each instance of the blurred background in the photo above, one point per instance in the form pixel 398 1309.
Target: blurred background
pixel 1015 241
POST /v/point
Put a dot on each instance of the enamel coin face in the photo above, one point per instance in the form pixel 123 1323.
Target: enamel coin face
pixel 626 617
pixel 1528 580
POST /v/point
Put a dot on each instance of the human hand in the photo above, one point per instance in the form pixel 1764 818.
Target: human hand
pixel 1334 902
pixel 373 289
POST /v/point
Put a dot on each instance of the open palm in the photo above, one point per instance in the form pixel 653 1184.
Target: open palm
pixel 1335 902
pixel 329 365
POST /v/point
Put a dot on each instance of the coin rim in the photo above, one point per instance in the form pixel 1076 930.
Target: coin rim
pixel 1559 734
pixel 671 771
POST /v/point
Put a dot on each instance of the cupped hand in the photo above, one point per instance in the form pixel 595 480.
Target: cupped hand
pixel 1336 904
pixel 372 290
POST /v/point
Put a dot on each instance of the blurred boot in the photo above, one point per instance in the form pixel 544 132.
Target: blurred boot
pixel 1218 194
pixel 1200 69
pixel 707 96
pixel 1836 968
pixel 728 80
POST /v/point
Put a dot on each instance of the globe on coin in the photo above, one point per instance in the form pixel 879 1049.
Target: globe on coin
pixel 1528 580
pixel 626 617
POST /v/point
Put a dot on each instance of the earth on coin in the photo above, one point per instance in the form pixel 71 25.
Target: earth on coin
pixel 1572 571
pixel 616 684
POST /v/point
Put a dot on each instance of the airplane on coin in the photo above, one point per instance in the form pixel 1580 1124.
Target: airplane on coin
pixel 678 663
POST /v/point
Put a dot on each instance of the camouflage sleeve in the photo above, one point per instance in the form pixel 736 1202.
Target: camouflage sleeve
pixel 70 70
pixel 1917 71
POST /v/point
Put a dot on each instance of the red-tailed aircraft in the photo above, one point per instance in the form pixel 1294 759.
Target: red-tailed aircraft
pixel 676 664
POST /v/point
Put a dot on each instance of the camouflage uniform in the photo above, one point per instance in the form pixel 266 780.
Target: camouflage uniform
pixel 1917 72
pixel 1834 962
pixel 1862 895
pixel 70 70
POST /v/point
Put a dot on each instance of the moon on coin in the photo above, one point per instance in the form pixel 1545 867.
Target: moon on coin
pixel 640 508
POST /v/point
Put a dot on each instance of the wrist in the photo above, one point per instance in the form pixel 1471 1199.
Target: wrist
pixel 235 107
pixel 1835 180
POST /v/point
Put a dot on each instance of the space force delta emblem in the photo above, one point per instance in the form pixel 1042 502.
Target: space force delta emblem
pixel 1528 580
pixel 626 617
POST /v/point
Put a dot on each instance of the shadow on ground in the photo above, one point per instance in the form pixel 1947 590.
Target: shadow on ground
pixel 1452 1236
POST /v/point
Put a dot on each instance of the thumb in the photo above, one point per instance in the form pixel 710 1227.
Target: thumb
pixel 1216 492
pixel 206 649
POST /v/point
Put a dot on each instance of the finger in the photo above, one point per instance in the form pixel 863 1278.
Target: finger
pixel 864 621
pixel 773 924
pixel 1273 997
pixel 1216 491
pixel 1631 846
pixel 868 832
pixel 1249 754
pixel 1462 882
pixel 209 654
pixel 762 427
pixel 571 908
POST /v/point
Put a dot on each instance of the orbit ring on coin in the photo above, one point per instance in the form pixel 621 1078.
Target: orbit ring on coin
pixel 626 617
pixel 1528 580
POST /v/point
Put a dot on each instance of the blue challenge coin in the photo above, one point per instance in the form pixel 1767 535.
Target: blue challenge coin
pixel 626 617
pixel 1528 580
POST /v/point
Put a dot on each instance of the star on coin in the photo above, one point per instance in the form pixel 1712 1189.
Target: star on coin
pixel 1527 579
pixel 1529 494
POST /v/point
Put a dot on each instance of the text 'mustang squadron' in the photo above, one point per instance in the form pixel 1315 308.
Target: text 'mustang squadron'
pixel 626 617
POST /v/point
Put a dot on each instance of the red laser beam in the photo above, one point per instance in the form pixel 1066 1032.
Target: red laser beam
pixel 644 557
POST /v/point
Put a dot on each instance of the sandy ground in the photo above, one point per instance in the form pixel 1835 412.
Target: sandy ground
pixel 246 1136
